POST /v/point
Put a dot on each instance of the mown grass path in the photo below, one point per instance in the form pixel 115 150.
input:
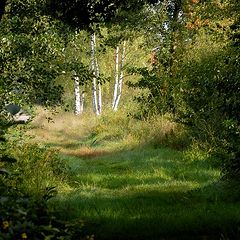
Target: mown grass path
pixel 148 193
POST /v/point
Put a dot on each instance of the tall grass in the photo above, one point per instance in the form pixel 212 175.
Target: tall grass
pixel 110 132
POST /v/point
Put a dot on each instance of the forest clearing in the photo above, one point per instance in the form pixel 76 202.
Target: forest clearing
pixel 119 119
pixel 126 187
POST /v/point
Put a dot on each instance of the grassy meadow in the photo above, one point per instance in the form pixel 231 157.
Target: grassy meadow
pixel 131 179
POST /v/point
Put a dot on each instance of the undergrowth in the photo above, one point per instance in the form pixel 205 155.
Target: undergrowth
pixel 30 175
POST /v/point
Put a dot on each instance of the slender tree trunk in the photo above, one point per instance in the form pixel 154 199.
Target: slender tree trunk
pixel 82 98
pixel 77 95
pixel 93 68
pixel 119 85
pixel 99 86
pixel 116 77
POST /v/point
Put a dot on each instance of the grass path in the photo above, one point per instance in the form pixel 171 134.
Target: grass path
pixel 147 193
pixel 142 192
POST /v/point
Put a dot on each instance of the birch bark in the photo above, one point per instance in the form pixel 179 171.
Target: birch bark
pixel 77 95
pixel 116 77
pixel 120 80
pixel 93 68
pixel 82 97
pixel 99 87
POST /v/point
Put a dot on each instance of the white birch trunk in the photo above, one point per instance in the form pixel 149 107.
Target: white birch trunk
pixel 99 98
pixel 119 86
pixel 77 95
pixel 82 101
pixel 93 68
pixel 116 77
pixel 99 87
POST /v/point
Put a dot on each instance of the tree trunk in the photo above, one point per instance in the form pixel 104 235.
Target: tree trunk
pixel 99 86
pixel 119 85
pixel 82 98
pixel 116 77
pixel 77 95
pixel 93 68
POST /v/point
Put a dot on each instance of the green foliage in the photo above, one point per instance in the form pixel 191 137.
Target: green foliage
pixel 208 97
pixel 28 176
pixel 24 216
pixel 158 98
pixel 83 14
pixel 31 47
pixel 164 32
pixel 36 168
pixel 199 84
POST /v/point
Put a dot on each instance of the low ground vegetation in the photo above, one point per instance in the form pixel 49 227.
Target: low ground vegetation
pixel 123 184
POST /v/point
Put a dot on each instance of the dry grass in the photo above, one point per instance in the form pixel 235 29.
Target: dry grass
pixel 63 130
pixel 84 152
pixel 90 136
pixel 53 126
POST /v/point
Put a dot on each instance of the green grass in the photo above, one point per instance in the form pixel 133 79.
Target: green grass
pixel 127 187
pixel 148 194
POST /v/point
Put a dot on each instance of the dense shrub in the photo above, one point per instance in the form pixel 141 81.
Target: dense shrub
pixel 29 175
pixel 208 98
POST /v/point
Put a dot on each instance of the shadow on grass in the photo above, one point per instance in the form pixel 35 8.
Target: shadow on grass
pixel 154 215
pixel 140 167
pixel 149 194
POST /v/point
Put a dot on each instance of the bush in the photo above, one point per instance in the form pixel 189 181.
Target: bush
pixel 28 217
pixel 208 98
pixel 36 168
pixel 29 175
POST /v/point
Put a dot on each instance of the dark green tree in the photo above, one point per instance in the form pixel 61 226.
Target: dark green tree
pixel 30 55
pixel 208 93
pixel 166 38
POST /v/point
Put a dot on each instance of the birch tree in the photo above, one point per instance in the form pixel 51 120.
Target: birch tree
pixel 118 76
pixel 99 87
pixel 79 95
pixel 96 87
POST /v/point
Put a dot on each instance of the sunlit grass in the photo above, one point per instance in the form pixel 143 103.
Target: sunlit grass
pixel 126 185
pixel 155 190
pixel 90 135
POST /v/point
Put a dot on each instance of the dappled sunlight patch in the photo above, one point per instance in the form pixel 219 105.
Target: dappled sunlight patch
pixel 170 207
pixel 58 126
pixel 84 152
pixel 203 175
pixel 134 183
pixel 160 187
pixel 133 169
